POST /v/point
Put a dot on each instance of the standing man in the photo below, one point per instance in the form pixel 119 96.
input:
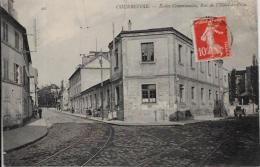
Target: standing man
pixel 40 112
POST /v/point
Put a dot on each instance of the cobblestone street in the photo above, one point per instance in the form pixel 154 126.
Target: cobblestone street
pixel 76 141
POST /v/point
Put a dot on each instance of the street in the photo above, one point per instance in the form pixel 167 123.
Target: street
pixel 73 141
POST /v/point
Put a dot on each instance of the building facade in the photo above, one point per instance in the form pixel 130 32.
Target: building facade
pixel 154 74
pixel 94 69
pixel 154 77
pixel 245 84
pixel 16 103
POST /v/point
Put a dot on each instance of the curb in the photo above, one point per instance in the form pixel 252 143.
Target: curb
pixel 26 144
pixel 119 124
pixel 31 142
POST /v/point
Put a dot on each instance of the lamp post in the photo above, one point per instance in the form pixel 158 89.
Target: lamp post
pixel 101 71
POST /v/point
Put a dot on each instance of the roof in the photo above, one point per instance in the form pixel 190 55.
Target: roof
pixel 96 55
pixel 106 82
pixel 77 70
pixel 15 23
pixel 152 30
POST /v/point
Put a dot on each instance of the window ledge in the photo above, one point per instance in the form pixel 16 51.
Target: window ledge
pixel 149 102
pixel 147 62
pixel 12 47
pixel 180 63
pixel 115 68
pixel 12 82
pixel 182 103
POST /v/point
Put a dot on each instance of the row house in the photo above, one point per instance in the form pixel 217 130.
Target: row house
pixel 96 99
pixel 16 102
pixel 93 70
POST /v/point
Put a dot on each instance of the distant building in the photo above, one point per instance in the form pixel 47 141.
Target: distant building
pixel 16 103
pixel 87 75
pixel 246 84
pixel 64 96
pixel 34 85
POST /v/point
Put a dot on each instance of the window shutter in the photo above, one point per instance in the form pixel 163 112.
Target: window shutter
pixel 21 75
pixel 14 72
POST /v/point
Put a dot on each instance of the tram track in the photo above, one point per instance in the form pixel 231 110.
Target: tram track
pixel 102 148
pixel 83 142
pixel 182 144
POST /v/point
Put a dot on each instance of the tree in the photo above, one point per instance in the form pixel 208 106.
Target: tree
pixel 47 97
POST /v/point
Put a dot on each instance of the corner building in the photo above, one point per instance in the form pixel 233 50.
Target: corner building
pixel 154 74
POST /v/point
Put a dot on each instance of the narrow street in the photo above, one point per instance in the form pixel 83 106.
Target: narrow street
pixel 75 141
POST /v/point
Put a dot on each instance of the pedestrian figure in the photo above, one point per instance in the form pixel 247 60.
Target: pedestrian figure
pixel 35 112
pixel 40 112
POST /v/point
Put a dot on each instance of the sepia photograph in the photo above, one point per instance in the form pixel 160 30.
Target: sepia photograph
pixel 127 83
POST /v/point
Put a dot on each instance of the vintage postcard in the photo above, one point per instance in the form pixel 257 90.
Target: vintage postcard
pixel 129 83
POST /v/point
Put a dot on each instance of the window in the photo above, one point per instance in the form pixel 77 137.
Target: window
pixel 209 68
pixel 108 97
pixel 181 91
pixel 91 101
pixel 86 102
pixel 202 94
pixel 191 59
pixel 5 31
pixel 216 70
pixel 149 93
pixel 101 99
pixel 201 67
pixel 6 69
pixel 147 50
pixel 117 95
pixel 24 76
pixel 180 53
pixel 96 101
pixel 209 94
pixel 225 78
pixel 16 40
pixel 17 74
pixel 192 93
pixel 216 95
pixel 116 57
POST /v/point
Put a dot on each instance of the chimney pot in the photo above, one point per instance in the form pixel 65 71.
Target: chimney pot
pixel 129 25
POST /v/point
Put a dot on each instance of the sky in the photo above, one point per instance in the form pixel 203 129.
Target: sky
pixel 60 40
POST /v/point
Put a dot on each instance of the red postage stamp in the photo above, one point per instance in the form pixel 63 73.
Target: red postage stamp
pixel 210 38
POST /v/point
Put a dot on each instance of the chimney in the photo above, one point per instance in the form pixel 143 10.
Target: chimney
pixel 129 25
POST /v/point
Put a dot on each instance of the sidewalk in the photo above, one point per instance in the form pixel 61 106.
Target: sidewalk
pixel 20 137
pixel 128 123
